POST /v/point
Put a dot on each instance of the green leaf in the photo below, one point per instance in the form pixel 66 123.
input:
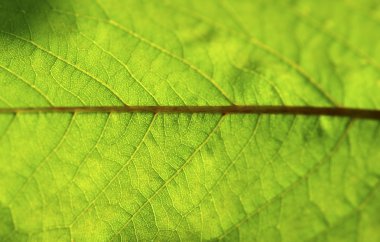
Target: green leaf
pixel 189 120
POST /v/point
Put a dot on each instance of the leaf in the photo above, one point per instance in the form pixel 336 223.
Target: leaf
pixel 124 120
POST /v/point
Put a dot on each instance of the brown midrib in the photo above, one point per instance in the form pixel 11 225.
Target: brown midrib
pixel 251 109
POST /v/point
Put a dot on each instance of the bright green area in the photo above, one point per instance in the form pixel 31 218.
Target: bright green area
pixel 189 177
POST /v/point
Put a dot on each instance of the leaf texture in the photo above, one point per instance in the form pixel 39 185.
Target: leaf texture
pixel 103 175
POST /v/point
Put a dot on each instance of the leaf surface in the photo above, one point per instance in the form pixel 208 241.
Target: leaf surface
pixel 101 175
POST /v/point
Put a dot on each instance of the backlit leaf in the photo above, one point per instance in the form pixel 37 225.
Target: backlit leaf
pixel 73 168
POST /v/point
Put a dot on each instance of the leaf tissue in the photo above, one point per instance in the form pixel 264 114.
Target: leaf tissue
pixel 190 120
